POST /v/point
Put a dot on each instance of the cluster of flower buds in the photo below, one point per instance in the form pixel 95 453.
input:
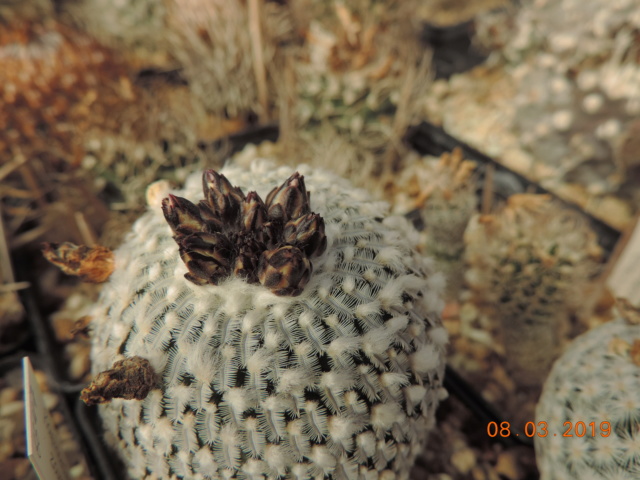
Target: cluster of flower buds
pixel 268 242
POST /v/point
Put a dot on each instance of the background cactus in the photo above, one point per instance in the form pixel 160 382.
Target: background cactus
pixel 596 380
pixel 212 43
pixel 341 381
pixel 355 83
pixel 449 201
pixel 526 263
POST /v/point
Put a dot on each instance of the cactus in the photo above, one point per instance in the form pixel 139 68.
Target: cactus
pixel 210 41
pixel 596 382
pixel 356 81
pixel 449 202
pixel 337 375
pixel 525 265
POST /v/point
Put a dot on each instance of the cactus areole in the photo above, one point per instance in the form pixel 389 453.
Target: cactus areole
pixel 296 337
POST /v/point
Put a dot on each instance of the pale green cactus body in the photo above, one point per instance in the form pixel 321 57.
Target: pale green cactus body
pixel 339 382
pixel 597 380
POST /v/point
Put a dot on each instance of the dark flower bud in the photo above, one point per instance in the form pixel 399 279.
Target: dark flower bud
pixel 289 200
pixel 212 220
pixel 263 242
pixel 254 213
pixel 224 199
pixel 285 271
pixel 214 246
pixel 182 216
pixel 306 233
pixel 202 270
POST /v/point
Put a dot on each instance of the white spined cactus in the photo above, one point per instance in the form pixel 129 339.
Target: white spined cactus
pixel 339 380
pixel 593 396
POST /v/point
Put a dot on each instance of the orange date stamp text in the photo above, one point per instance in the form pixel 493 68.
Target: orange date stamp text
pixel 541 429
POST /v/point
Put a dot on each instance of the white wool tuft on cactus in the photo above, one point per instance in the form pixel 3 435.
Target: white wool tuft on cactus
pixel 590 407
pixel 293 337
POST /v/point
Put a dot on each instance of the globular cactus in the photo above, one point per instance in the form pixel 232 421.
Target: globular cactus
pixel 527 264
pixel 296 337
pixel 592 396
pixel 356 81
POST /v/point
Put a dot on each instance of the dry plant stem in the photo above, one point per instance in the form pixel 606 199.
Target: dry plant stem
pixel 627 311
pixel 402 117
pixel 13 287
pixel 14 164
pixel 131 378
pixel 29 236
pixel 85 230
pixel 487 191
pixel 258 60
pixel 93 265
pixel 617 251
pixel 287 103
pixel 31 182
pixel 6 271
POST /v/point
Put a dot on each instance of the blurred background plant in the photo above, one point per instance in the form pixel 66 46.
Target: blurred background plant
pixel 529 267
pixel 353 85
pixel 593 390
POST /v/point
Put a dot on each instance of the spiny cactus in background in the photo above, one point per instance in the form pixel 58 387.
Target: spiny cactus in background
pixel 593 395
pixel 136 28
pixel 443 190
pixel 529 265
pixel 216 44
pixel 243 380
pixel 228 49
pixel 449 196
pixel 357 78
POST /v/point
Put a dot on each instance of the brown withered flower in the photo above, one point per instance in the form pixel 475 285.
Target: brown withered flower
pixel 91 264
pixel 268 242
pixel 130 378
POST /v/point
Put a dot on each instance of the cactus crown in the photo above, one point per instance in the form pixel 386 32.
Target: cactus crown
pixel 264 242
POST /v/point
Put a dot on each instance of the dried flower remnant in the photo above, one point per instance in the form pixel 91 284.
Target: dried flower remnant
pixel 129 379
pixel 264 242
pixel 530 265
pixel 91 264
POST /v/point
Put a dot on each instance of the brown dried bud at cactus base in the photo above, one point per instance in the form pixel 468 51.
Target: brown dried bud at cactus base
pixel 92 264
pixel 264 242
pixel 130 378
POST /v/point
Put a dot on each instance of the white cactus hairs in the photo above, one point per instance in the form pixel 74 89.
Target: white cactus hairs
pixel 596 380
pixel 340 381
